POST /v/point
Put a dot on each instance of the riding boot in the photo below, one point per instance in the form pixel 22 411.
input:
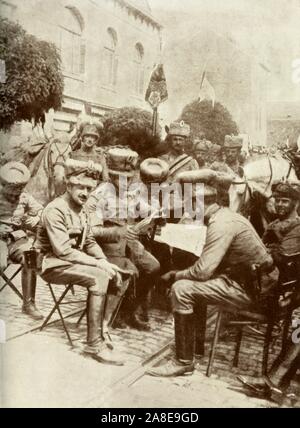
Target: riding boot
pixel 96 346
pixel 28 288
pixel 200 313
pixel 111 308
pixel 185 347
pixel 132 319
pixel 141 303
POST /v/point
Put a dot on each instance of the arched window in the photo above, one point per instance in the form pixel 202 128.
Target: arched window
pixel 139 69
pixel 71 41
pixel 110 59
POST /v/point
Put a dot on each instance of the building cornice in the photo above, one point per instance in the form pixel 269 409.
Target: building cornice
pixel 138 13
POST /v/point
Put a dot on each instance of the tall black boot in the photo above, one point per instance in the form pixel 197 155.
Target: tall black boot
pixel 28 288
pixel 141 302
pixel 112 306
pixel 200 313
pixel 185 348
pixel 96 346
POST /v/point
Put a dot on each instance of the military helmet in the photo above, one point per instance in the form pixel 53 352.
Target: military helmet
pixel 90 127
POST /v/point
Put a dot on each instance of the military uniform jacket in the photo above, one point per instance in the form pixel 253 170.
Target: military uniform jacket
pixel 65 236
pixel 179 164
pixel 110 214
pixel 231 247
pixel 96 156
pixel 283 236
pixel 22 213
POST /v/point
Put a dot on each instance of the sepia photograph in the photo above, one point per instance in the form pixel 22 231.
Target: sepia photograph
pixel 149 206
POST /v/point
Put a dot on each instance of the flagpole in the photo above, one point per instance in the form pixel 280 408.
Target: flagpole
pixel 154 120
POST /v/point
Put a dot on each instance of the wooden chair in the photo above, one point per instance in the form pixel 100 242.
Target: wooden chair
pixel 289 281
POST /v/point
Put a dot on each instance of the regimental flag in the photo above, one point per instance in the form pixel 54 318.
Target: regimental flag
pixel 207 91
pixel 157 91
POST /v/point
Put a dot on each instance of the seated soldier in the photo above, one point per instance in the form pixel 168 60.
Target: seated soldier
pixel 283 239
pixel 219 277
pixel 19 213
pixel 283 234
pixel 72 256
pixel 113 228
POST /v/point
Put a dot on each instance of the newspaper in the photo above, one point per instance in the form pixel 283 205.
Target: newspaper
pixel 187 237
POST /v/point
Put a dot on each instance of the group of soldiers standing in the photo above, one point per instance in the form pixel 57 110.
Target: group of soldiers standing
pixel 82 239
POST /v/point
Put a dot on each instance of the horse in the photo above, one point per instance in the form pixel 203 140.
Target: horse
pixel 251 194
pixel 47 170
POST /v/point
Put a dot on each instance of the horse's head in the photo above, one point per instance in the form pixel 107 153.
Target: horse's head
pixel 259 174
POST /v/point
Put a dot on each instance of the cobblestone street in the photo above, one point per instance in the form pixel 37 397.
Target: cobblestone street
pixel 62 377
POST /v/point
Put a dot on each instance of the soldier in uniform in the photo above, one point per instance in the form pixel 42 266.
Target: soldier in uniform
pixel 19 213
pixel 113 226
pixel 219 277
pixel 283 234
pixel 232 150
pixel 206 153
pixel 282 237
pixel 176 158
pixel 214 153
pixel 201 152
pixel 71 254
pixel 89 138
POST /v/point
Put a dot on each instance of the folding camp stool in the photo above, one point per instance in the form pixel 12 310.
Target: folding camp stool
pixel 58 302
pixel 8 281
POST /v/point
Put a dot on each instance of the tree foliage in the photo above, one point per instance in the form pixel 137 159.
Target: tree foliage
pixel 132 127
pixel 34 82
pixel 215 122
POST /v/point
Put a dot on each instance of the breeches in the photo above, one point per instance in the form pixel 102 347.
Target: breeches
pixel 16 249
pixel 185 294
pixel 145 262
pixel 92 278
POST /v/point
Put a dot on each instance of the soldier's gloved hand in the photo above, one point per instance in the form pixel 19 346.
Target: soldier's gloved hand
pixel 131 234
pixel 107 267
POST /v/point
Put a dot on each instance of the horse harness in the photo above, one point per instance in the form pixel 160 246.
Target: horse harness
pixel 50 165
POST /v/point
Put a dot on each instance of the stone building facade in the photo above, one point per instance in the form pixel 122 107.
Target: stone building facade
pixel 108 49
